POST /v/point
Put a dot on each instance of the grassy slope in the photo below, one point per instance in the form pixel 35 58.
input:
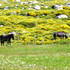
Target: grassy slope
pixel 35 57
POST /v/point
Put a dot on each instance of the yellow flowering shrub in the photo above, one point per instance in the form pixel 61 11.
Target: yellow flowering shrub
pixel 63 12
pixel 68 22
pixel 31 13
pixel 18 11
pixel 38 42
pixel 38 27
pixel 58 13
pixel 47 42
pixel 55 41
pixel 50 21
pixel 66 7
pixel 68 37
pixel 45 12
pixel 64 26
pixel 40 38
pixel 41 21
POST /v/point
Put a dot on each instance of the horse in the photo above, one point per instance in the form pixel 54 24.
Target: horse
pixel 59 34
pixel 6 38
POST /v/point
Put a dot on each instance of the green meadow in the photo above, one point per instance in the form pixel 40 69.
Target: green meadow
pixel 35 57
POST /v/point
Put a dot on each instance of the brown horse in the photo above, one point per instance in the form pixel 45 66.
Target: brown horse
pixel 7 38
pixel 59 34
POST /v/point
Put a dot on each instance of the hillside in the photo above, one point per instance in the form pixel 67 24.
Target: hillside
pixel 34 21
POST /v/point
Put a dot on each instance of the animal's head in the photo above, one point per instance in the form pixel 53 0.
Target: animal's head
pixel 68 34
pixel 12 36
pixel 14 33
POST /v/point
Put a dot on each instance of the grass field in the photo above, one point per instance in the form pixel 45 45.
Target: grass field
pixel 35 57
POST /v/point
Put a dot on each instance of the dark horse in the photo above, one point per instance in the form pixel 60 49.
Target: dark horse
pixel 59 34
pixel 7 38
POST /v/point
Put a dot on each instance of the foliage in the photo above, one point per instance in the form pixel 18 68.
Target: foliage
pixel 39 25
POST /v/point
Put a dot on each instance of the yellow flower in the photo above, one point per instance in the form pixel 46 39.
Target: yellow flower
pixel 47 42
pixel 46 12
pixel 68 37
pixel 38 42
pixel 32 13
pixel 64 26
pixel 55 41
pixel 18 11
pixel 40 38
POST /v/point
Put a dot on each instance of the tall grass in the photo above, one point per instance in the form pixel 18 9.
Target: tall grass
pixel 35 57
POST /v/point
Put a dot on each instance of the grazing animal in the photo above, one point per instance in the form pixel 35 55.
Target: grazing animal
pixel 59 34
pixel 6 38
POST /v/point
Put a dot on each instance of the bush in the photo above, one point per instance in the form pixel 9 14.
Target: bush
pixel 3 22
pixel 28 23
pixel 31 14
pixel 8 14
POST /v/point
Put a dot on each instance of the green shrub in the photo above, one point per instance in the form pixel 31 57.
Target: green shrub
pixel 8 13
pixel 28 24
pixel 64 41
pixel 3 22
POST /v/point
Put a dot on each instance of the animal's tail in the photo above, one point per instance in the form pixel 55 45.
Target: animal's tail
pixel 66 36
pixel 54 36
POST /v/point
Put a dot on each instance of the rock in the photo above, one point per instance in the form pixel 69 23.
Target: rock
pixel 1 25
pixel 46 6
pixel 65 0
pixel 14 12
pixel 42 4
pixel 68 4
pixel 17 0
pixel 37 7
pixel 62 16
pixel 23 8
pixel 16 5
pixel 24 31
pixel 68 34
pixel 21 2
pixel 33 2
pixel 24 2
pixel 29 8
pixel 5 0
pixel 6 7
pixel 57 7
pixel 0 4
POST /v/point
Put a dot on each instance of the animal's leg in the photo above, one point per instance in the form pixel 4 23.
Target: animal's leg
pixel 54 36
pixel 66 36
pixel 2 42
pixel 8 42
pixel 61 37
